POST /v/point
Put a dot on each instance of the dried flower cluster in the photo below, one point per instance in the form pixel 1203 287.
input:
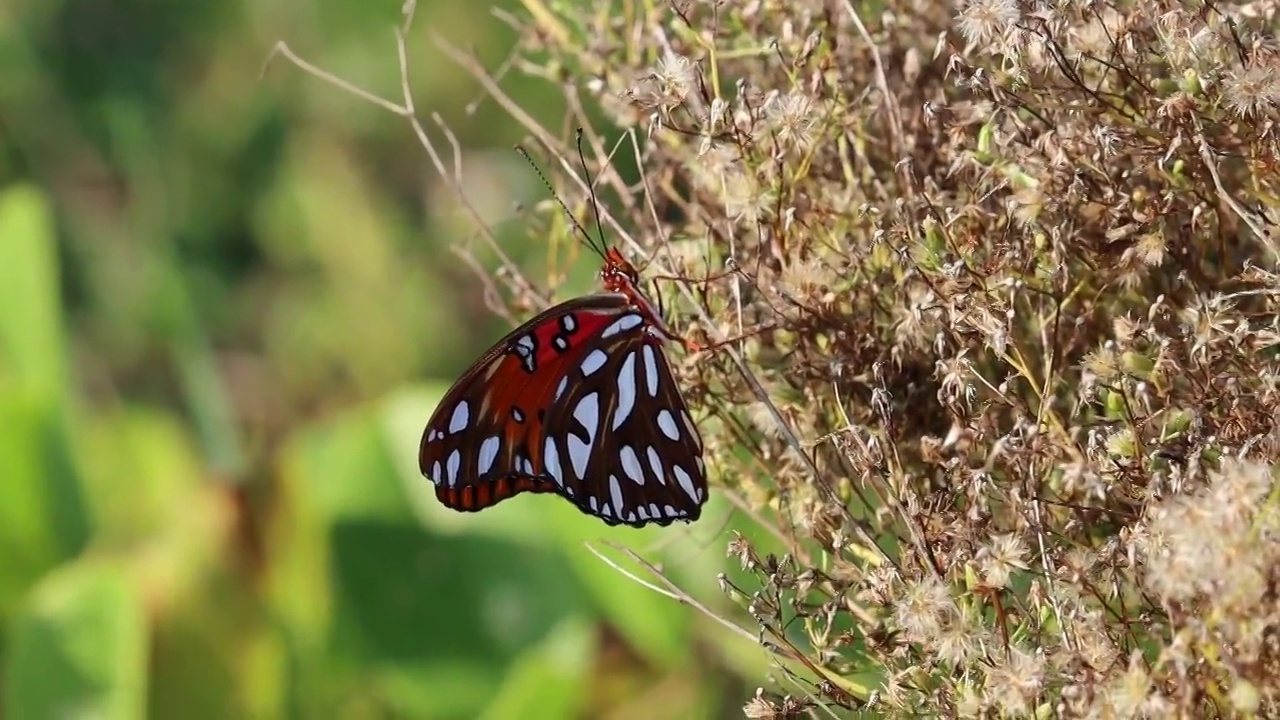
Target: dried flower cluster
pixel 1007 272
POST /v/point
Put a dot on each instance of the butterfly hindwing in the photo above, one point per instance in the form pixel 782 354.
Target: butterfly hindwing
pixel 619 438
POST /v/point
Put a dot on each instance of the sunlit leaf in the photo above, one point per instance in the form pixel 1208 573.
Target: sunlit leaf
pixel 79 648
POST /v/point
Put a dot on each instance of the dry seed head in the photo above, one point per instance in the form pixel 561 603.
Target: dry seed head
pixel 1206 545
pixel 969 700
pixel 792 117
pixel 983 22
pixel 675 76
pixel 1005 554
pixel 1128 694
pixel 807 278
pixel 1254 91
pixel 1104 363
pixel 923 608
pixel 762 419
pixel 713 164
pixel 961 640
pixel 1014 680
pixel 744 200
pixel 1095 38
pixel 760 707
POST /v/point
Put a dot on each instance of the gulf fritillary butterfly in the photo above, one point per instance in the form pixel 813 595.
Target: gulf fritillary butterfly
pixel 579 401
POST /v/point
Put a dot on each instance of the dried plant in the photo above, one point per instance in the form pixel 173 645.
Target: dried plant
pixel 1007 275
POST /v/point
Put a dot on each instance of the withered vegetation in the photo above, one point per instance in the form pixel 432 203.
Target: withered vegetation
pixel 1007 273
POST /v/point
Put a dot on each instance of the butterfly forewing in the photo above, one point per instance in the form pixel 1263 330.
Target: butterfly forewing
pixel 482 444
pixel 579 401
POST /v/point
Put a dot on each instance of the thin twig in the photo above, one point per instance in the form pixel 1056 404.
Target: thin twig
pixel 1248 218
pixel 406 111
pixel 882 81
pixel 669 589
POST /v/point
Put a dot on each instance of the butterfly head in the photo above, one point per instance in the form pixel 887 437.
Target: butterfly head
pixel 618 275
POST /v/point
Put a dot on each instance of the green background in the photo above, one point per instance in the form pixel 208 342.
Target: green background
pixel 227 307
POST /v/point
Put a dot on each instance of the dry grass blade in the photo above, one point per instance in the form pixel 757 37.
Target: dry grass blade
pixel 668 588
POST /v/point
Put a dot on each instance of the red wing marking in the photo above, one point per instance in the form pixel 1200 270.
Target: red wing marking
pixel 471 498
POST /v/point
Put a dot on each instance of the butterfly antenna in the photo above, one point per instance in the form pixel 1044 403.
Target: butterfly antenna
pixel 568 213
pixel 591 186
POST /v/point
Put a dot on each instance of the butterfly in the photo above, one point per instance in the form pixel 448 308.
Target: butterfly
pixel 579 401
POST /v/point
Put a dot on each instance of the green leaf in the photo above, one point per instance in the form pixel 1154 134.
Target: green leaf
pixel 403 594
pixel 152 454
pixel 347 469
pixel 550 680
pixel 42 518
pixel 31 349
pixel 654 624
pixel 79 649
pixel 387 599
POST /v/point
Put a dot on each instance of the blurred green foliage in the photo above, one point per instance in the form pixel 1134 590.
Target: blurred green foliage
pixel 222 294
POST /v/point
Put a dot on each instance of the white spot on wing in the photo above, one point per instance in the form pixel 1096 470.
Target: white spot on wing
pixel 626 322
pixel 615 493
pixel 626 390
pixel 451 466
pixel 458 421
pixel 594 361
pixel 569 323
pixel 488 453
pixel 436 475
pixel 653 509
pixel 524 348
pixel 655 463
pixel 588 413
pixel 644 515
pixel 667 424
pixel 631 464
pixel 651 370
pixel 595 504
pixel 564 383
pixel 579 455
pixel 551 459
pixel 671 512
pixel 686 483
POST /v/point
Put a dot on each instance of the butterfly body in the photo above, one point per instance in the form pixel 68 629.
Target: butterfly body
pixel 579 401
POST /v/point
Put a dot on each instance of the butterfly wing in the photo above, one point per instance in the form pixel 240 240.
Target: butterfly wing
pixel 618 438
pixel 482 444
pixel 520 420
